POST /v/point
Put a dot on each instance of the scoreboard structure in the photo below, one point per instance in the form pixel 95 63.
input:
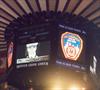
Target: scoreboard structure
pixel 46 47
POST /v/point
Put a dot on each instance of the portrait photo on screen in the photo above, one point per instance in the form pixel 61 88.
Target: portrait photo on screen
pixel 33 52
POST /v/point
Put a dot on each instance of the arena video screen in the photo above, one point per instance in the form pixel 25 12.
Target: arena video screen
pixel 33 54
pixel 71 51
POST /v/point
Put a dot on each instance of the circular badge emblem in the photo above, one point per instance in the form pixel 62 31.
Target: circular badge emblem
pixel 71 51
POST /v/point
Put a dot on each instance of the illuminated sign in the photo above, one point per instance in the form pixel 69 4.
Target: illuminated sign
pixel 71 45
pixel 94 66
pixel 32 54
pixel 10 54
pixel 70 65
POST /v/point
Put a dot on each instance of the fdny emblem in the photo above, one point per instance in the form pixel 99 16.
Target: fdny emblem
pixel 72 45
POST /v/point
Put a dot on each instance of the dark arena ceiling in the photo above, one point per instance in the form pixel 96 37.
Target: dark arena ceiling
pixel 11 10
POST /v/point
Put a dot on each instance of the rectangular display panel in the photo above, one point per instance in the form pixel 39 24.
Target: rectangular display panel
pixel 33 53
pixel 71 50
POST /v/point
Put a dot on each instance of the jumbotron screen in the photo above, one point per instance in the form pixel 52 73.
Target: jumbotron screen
pixel 72 50
pixel 33 54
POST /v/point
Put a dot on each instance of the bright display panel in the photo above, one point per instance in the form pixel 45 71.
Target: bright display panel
pixel 71 50
pixel 33 52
